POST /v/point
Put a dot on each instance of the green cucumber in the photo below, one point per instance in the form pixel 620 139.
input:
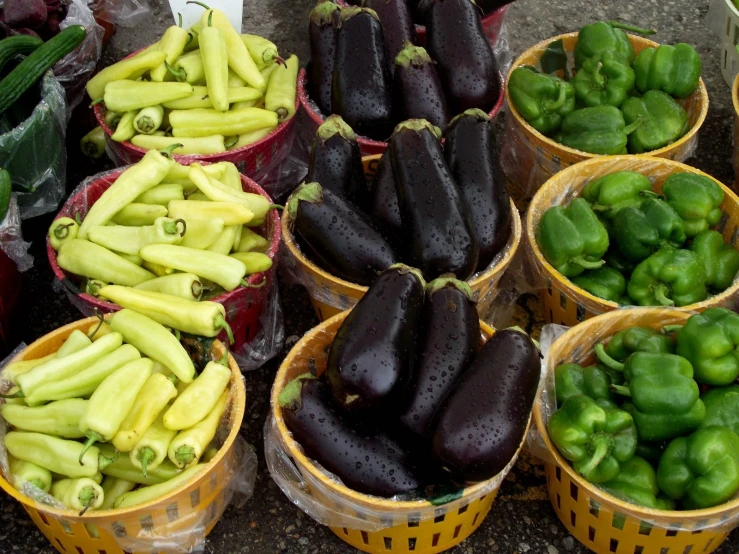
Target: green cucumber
pixel 5 187
pixel 37 63
pixel 17 45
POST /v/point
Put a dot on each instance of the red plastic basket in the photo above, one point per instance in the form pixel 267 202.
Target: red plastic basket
pixel 243 305
pixel 368 146
pixel 10 286
pixel 251 159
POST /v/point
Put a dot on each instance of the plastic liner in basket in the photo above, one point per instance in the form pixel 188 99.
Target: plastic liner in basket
pixel 11 238
pixel 559 345
pixel 34 152
pixel 126 13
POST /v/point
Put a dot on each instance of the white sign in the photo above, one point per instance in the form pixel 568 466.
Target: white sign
pixel 191 13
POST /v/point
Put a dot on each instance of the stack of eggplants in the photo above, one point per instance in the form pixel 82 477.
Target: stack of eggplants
pixel 366 65
pixel 441 209
pixel 410 398
pixel 420 8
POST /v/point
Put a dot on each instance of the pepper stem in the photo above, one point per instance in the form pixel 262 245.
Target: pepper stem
pixel 660 291
pixel 17 394
pixel 146 455
pixel 231 141
pixel 167 152
pixel 101 320
pixel 620 389
pixel 625 27
pixel 206 6
pixel 553 105
pixel 221 323
pixel 104 461
pixel 185 455
pixel 634 126
pixel 598 80
pixel 605 359
pixel 671 328
pixel 62 231
pixel 179 74
pixel 184 226
pixel 582 262
pixel 602 449
pixel 92 438
pixel 259 286
pixel 179 20
pixel 275 207
pixel 197 289
pixel 210 18
pixel 89 494
pixel 648 193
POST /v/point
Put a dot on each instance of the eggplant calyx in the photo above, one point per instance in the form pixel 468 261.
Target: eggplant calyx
pixel 290 396
pixel 348 13
pixel 412 55
pixel 307 192
pixel 477 113
pixel 405 269
pixel 335 125
pixel 417 125
pixel 442 282
pixel 323 13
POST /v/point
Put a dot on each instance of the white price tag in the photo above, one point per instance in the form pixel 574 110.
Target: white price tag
pixel 191 12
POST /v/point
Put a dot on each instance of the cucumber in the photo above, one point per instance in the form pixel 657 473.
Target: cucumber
pixel 31 69
pixel 19 44
pixel 5 188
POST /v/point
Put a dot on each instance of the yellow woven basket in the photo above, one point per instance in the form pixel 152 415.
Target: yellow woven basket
pixel 331 295
pixel 565 303
pixel 600 521
pixel 530 158
pixel 404 532
pixel 197 502
pixel 735 158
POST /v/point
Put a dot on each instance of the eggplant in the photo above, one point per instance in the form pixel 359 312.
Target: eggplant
pixel 438 227
pixel 489 6
pixel 455 39
pixel 482 422
pixel 374 352
pixel 369 464
pixel 384 203
pixel 336 161
pixel 420 9
pixel 322 32
pixel 418 87
pixel 362 87
pixel 472 155
pixel 337 236
pixel 397 26
pixel 449 342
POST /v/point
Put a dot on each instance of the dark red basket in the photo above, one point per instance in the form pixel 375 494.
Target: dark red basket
pixel 250 159
pixel 243 305
pixel 368 146
pixel 10 286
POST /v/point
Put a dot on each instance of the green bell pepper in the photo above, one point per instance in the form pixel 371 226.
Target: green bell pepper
pixel 637 483
pixel 634 339
pixel 669 277
pixel 720 259
pixel 675 70
pixel 722 407
pixel 636 237
pixel 573 380
pixel 701 470
pixel 709 341
pixel 663 121
pixel 696 198
pixel 651 451
pixel 572 239
pixel 542 100
pixel 595 435
pixel 666 220
pixel 603 80
pixel 615 191
pixel 617 261
pixel 605 282
pixel 598 130
pixel 606 36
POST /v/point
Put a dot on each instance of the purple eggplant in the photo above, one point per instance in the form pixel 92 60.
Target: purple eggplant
pixel 337 236
pixel 362 86
pixel 420 10
pixel 374 352
pixel 369 464
pixel 30 14
pixel 397 26
pixel 482 422
pixel 322 31
pixel 418 87
pixel 472 155
pixel 336 161
pixel 384 203
pixel 455 39
pixel 438 228
pixel 449 342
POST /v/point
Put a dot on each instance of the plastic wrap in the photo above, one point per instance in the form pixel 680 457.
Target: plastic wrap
pixel 34 152
pixel 529 158
pixel 126 13
pixel 562 345
pixel 11 238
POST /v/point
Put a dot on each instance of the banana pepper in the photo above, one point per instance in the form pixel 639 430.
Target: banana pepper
pixel 201 233
pixel 214 52
pixel 200 98
pixel 125 129
pixel 151 450
pixel 188 446
pixel 199 398
pixel 80 494
pixel 85 258
pixel 122 468
pixel 62 230
pixel 112 489
pixel 153 492
pixel 161 194
pixel 65 457
pixel 125 96
pixel 173 44
pixel 130 240
pixel 262 51
pixel 148 120
pixel 224 243
pixel 189 68
pixel 212 144
pixel 219 192
pixel 60 418
pixel 282 89
pixel 27 472
pixel 131 68
pixel 208 122
pixel 182 285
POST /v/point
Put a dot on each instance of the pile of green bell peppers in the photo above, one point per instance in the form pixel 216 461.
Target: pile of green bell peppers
pixel 623 242
pixel 654 420
pixel 616 102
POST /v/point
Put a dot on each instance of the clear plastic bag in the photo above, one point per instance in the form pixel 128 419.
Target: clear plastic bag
pixel 126 13
pixel 11 238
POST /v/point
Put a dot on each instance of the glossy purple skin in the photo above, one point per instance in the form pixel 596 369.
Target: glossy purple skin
pixel 489 6
pixel 374 352
pixel 362 86
pixel 450 340
pixel 435 219
pixel 322 51
pixel 420 93
pixel 368 464
pixel 483 420
pixel 338 237
pixel 336 164
pixel 471 153
pixel 455 39
pixel 384 203
pixel 420 10
pixel 397 26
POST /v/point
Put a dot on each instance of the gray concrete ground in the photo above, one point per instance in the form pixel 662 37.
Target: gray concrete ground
pixel 522 519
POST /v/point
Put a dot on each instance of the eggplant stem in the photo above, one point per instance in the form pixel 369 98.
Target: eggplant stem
pixel 605 359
